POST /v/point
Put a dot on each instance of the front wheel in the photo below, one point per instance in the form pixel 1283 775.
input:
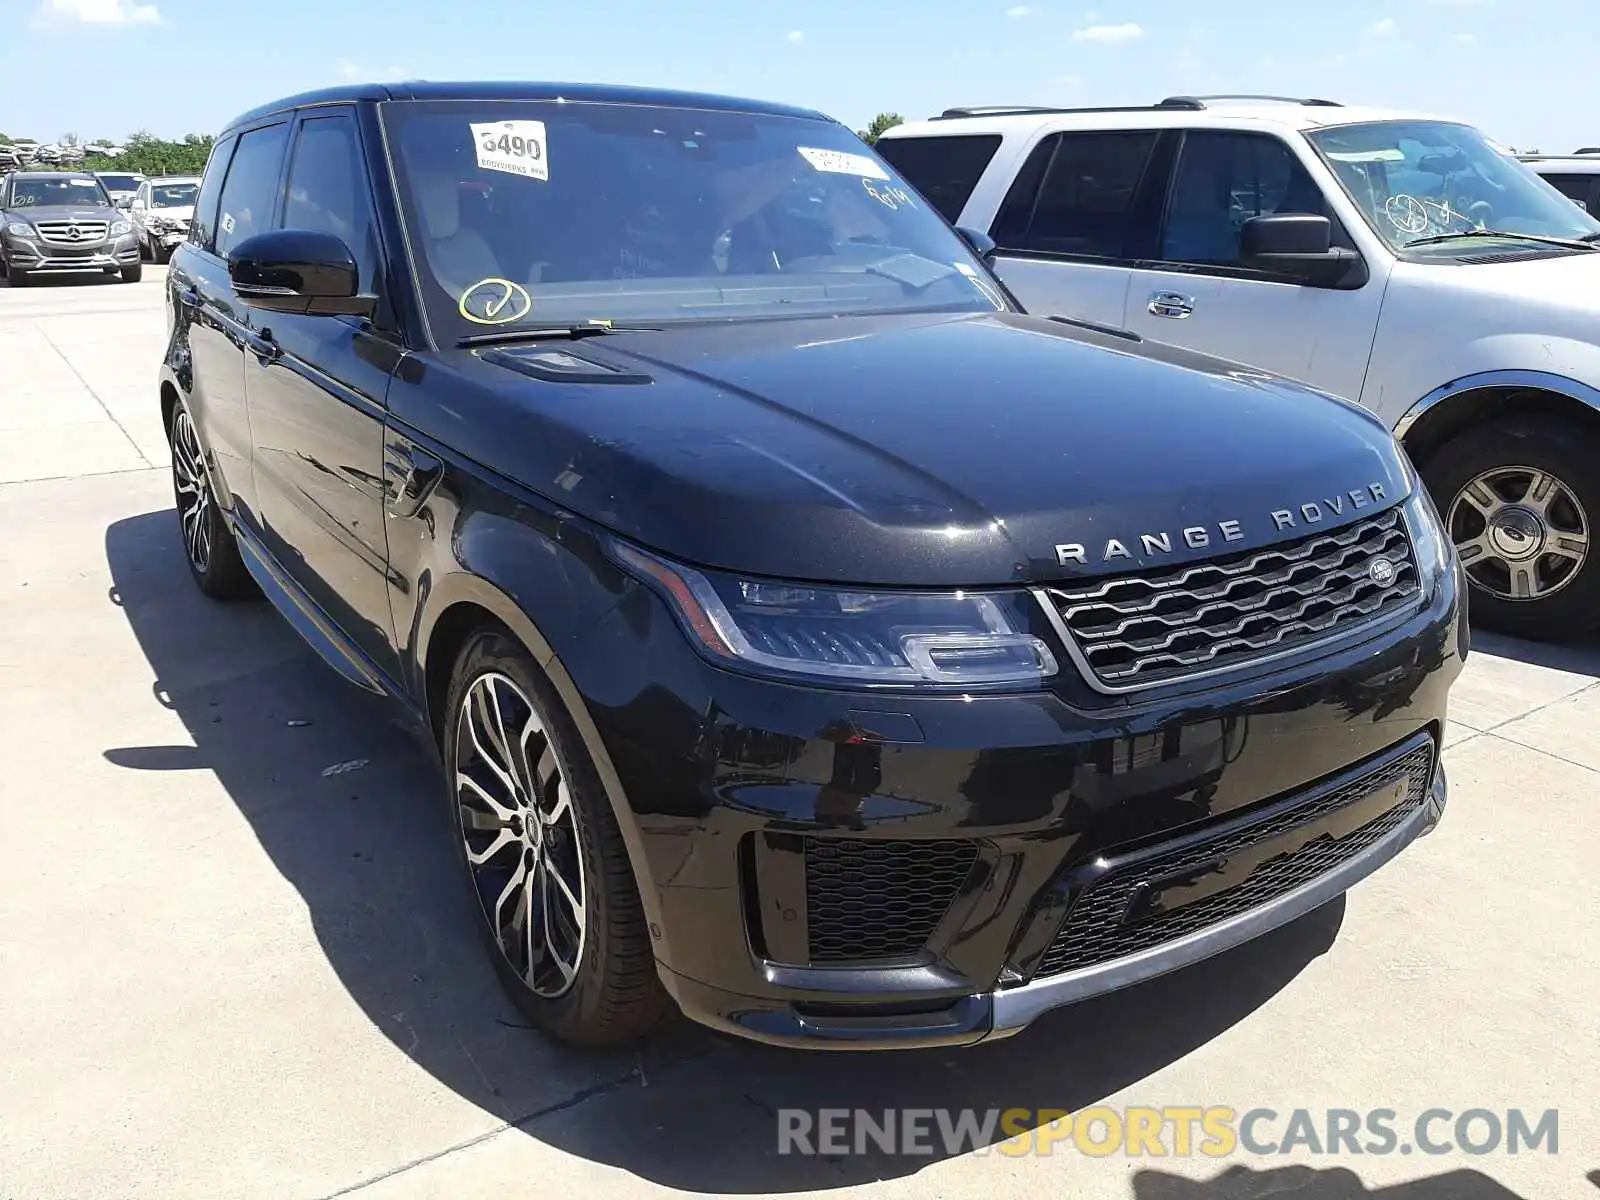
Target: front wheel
pixel 544 854
pixel 208 543
pixel 1520 498
pixel 133 274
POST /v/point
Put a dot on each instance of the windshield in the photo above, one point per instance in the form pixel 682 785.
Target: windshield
pixel 1420 179
pixel 121 183
pixel 173 195
pixel 72 190
pixel 548 213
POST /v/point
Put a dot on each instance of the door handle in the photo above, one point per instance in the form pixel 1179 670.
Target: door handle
pixel 262 346
pixel 1171 304
pixel 413 472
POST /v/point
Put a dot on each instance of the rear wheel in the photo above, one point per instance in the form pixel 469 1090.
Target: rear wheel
pixel 208 543
pixel 1521 498
pixel 544 854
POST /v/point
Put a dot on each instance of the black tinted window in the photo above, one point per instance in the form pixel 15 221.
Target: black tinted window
pixel 943 169
pixel 1086 197
pixel 1573 187
pixel 1016 211
pixel 1223 180
pixel 203 227
pixel 328 189
pixel 251 192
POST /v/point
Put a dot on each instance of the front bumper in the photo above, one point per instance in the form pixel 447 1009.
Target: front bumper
pixel 859 871
pixel 48 258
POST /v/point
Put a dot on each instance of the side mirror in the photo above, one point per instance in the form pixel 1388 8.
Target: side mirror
pixel 1299 245
pixel 979 243
pixel 298 271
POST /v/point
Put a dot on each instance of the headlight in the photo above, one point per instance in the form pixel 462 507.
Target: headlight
pixel 19 229
pixel 120 228
pixel 1434 550
pixel 956 638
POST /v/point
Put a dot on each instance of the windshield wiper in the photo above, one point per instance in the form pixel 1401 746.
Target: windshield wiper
pixel 546 333
pixel 1566 243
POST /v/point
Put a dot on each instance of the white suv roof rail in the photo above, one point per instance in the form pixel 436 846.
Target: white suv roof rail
pixel 1200 101
pixel 1180 103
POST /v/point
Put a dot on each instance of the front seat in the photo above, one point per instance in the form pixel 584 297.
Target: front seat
pixel 458 255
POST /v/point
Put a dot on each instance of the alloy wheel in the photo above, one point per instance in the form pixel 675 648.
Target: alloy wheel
pixel 521 834
pixel 193 492
pixel 1520 532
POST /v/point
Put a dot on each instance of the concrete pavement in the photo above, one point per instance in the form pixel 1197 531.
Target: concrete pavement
pixel 235 959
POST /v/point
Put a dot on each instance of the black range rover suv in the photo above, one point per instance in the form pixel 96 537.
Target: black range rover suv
pixel 807 634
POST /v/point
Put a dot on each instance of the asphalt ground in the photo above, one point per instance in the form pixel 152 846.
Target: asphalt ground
pixel 236 961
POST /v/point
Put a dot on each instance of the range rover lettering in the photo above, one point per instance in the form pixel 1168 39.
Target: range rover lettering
pixel 811 640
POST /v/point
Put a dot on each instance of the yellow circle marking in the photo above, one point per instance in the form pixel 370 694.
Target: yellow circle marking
pixel 507 302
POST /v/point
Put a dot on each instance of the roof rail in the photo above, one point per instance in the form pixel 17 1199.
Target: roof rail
pixel 1006 110
pixel 1586 150
pixel 1199 101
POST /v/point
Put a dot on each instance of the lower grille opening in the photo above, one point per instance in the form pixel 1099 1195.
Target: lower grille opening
pixel 869 900
pixel 1105 922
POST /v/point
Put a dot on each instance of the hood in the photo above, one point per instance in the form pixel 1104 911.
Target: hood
pixel 34 213
pixel 919 449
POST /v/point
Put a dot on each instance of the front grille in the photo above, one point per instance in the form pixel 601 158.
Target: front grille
pixel 1141 630
pixel 59 233
pixel 1097 928
pixel 870 900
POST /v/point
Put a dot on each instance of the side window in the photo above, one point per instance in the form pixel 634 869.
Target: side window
pixel 1573 187
pixel 251 191
pixel 203 228
pixel 1085 194
pixel 943 169
pixel 328 190
pixel 1224 179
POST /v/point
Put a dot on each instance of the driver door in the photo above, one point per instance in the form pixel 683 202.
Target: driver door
pixel 1198 293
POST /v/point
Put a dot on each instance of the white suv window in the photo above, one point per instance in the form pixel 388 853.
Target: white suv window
pixel 1076 195
pixel 1223 180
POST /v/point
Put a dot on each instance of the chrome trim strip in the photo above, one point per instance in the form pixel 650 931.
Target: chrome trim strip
pixel 1560 384
pixel 1015 1008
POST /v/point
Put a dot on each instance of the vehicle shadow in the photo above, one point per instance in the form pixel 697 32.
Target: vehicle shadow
pixel 1580 658
pixel 347 806
pixel 1309 1183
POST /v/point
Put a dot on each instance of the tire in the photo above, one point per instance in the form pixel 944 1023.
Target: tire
pixel 133 274
pixel 594 987
pixel 208 544
pixel 160 254
pixel 17 277
pixel 1535 479
pixel 147 252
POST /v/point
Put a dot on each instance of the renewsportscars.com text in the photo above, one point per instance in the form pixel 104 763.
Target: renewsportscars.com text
pixel 1170 1132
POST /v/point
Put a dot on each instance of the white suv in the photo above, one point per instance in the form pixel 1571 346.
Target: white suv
pixel 1400 260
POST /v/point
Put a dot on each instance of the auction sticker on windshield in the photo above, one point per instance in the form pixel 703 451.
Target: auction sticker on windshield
pixel 837 162
pixel 514 147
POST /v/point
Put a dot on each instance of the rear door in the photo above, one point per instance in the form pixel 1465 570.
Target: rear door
pixel 1071 222
pixel 317 388
pixel 1194 290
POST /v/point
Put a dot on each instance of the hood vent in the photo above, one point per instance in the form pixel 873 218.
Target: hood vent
pixel 554 365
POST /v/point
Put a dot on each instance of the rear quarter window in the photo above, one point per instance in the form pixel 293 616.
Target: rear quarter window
pixel 943 169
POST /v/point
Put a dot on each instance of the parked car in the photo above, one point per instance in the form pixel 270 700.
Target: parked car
pixel 807 635
pixel 161 211
pixel 1402 260
pixel 1576 176
pixel 57 223
pixel 121 186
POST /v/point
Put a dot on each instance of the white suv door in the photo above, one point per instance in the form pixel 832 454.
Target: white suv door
pixel 1199 293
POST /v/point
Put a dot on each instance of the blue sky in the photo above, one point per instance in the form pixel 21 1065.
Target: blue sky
pixel 1519 68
